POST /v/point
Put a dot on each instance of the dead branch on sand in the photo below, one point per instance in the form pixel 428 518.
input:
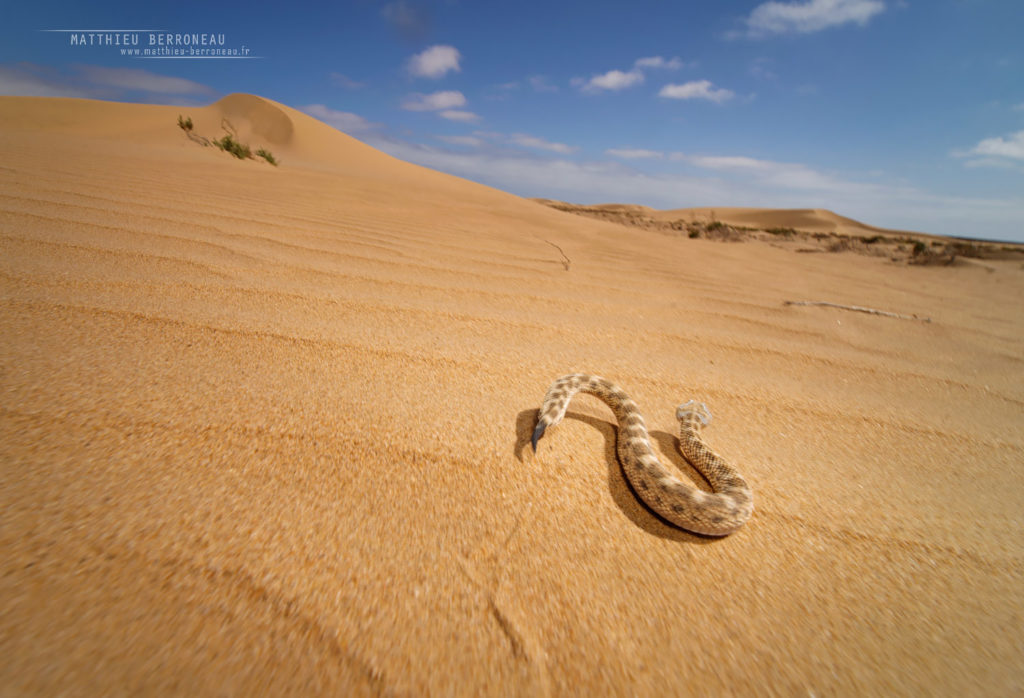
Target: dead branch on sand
pixel 565 259
pixel 229 127
pixel 860 309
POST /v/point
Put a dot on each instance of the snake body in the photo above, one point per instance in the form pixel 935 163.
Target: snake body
pixel 717 513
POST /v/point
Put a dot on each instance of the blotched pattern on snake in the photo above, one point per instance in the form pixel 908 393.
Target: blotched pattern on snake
pixel 717 513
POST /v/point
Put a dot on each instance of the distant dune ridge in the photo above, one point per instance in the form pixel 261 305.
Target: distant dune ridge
pixel 800 230
pixel 814 220
pixel 266 430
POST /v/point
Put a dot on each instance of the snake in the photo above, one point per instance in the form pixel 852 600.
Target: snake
pixel 716 513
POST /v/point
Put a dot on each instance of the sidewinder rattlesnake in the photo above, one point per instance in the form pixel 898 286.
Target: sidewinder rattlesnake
pixel 717 513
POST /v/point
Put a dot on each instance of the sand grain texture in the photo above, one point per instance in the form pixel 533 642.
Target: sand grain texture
pixel 265 430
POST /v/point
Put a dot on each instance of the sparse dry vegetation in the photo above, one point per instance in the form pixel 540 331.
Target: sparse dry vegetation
pixel 229 142
pixel 565 258
pixel 267 155
pixel 860 309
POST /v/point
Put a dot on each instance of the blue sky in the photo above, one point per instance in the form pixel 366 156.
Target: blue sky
pixel 900 113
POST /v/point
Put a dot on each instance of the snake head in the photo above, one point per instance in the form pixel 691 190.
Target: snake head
pixel 694 410
pixel 537 433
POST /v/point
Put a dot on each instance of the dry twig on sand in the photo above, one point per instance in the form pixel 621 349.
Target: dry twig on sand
pixel 565 259
pixel 860 309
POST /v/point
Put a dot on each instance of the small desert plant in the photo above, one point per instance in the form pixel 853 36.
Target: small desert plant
pixel 185 124
pixel 565 259
pixel 714 225
pixel 236 148
pixel 267 155
pixel 966 249
pixel 840 245
pixel 785 232
pixel 919 247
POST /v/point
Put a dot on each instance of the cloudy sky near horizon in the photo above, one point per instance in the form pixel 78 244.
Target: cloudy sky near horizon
pixel 901 113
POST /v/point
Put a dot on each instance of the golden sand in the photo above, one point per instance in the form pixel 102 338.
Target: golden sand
pixel 266 430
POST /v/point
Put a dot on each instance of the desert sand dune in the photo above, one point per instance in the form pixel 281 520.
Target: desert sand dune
pixel 266 429
pixel 812 219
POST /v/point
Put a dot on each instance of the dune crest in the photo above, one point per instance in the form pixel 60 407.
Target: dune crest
pixel 256 118
pixel 289 132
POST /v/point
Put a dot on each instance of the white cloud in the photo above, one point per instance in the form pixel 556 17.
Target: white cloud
pixel 27 80
pixel 1010 147
pixel 612 80
pixel 435 62
pixel 94 82
pixel 998 163
pixel 434 101
pixel 527 141
pixel 809 16
pixel 558 178
pixel 728 162
pixel 658 62
pixel 144 80
pixel 696 89
pixel 1005 152
pixel 471 141
pixel 458 115
pixel 621 79
pixel 634 153
pixel 769 173
pixel 443 103
pixel 341 120
pixel 521 140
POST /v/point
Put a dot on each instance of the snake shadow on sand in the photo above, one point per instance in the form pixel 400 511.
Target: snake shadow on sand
pixel 618 486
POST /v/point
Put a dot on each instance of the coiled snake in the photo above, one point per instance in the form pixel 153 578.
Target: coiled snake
pixel 717 513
